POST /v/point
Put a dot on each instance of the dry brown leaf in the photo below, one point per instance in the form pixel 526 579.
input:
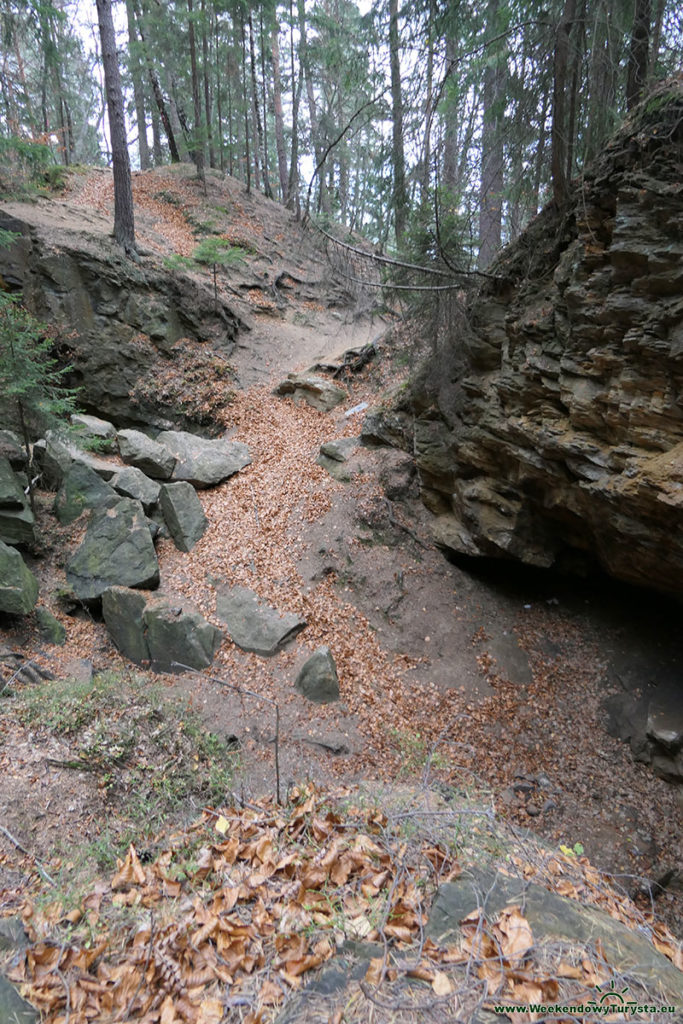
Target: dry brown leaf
pixel 130 871
pixel 373 975
pixel 513 932
pixel 442 984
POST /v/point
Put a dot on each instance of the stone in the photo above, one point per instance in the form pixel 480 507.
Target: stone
pixel 122 610
pixel 14 1009
pixel 12 449
pixel 386 427
pixel 397 474
pixel 139 450
pixel 50 628
pixel 133 483
pixel 317 679
pixel 178 634
pixel 93 426
pixel 81 488
pixel 18 585
pixel 339 450
pixel 665 716
pixel 204 462
pixel 340 471
pixel 11 493
pixel 316 391
pixel 17 522
pixel 552 919
pixel 253 625
pixel 554 435
pixel 183 513
pixel 117 550
pixel 12 934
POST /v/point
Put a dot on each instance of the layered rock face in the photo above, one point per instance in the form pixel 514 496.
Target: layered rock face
pixel 561 430
pixel 117 321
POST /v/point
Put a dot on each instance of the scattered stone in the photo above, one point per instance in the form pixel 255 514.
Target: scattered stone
pixel 14 1009
pixel 18 585
pixel 397 474
pixel 183 513
pixel 117 550
pixel 133 483
pixel 12 934
pixel 253 625
pixel 93 426
pixel 81 488
pixel 122 609
pixel 338 470
pixel 179 634
pixel 50 628
pixel 317 679
pixel 340 449
pixel 315 391
pixel 204 462
pixel 139 450
pixel 11 493
pixel 12 449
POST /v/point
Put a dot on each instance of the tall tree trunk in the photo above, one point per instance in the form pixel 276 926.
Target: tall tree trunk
pixel 219 105
pixel 656 38
pixel 171 135
pixel 138 92
pixel 264 87
pixel 279 119
pixel 450 156
pixel 293 182
pixel 323 197
pixel 207 90
pixel 636 72
pixel 258 130
pixel 491 184
pixel 558 135
pixel 400 196
pixel 196 100
pixel 245 102
pixel 157 152
pixel 124 224
pixel 576 56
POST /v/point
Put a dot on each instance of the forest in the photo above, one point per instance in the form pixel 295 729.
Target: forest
pixel 434 128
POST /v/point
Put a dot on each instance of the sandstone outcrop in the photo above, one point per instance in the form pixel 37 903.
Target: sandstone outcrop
pixel 554 433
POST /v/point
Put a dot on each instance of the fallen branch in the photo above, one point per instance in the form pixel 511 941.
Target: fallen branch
pixel 22 849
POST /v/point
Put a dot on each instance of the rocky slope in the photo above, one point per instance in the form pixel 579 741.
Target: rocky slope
pixel 556 436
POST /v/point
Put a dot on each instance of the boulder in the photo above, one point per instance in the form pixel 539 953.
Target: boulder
pixel 18 585
pixel 50 628
pixel 93 426
pixel 54 454
pixel 204 462
pixel 123 609
pixel 252 624
pixel 133 483
pixel 12 448
pixel 316 391
pixel 178 633
pixel 139 450
pixel 17 523
pixel 117 550
pixel 317 679
pixel 340 449
pixel 14 1009
pixel 81 488
pixel 183 513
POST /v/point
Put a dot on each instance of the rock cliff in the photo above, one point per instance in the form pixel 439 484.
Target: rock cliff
pixel 556 432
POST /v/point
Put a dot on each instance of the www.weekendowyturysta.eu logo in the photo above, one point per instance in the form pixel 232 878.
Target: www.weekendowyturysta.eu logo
pixel 609 1000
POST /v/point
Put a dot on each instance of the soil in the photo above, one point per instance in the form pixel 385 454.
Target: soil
pixel 467 676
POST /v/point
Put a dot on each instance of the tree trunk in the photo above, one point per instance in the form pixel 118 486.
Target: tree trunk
pixel 264 87
pixel 293 182
pixel 207 90
pixel 491 182
pixel 656 38
pixel 323 197
pixel 157 152
pixel 279 119
pixel 558 133
pixel 258 130
pixel 124 225
pixel 138 93
pixel 158 95
pixel 196 101
pixel 636 72
pixel 400 197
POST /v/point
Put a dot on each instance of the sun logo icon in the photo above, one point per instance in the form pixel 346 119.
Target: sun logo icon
pixel 611 996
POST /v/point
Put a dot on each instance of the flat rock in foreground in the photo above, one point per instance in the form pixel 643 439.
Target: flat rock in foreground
pixel 252 624
pixel 202 461
pixel 117 550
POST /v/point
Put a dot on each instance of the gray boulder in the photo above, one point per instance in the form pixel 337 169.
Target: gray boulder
pixel 204 462
pixel 14 1009
pixel 123 611
pixel 117 550
pixel 12 448
pixel 93 426
pixel 183 513
pixel 18 585
pixel 132 483
pixel 81 488
pixel 253 625
pixel 54 454
pixel 150 456
pixel 340 449
pixel 50 628
pixel 316 391
pixel 317 679
pixel 177 633
pixel 16 518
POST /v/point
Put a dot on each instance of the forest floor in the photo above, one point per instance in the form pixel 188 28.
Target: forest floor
pixel 488 680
